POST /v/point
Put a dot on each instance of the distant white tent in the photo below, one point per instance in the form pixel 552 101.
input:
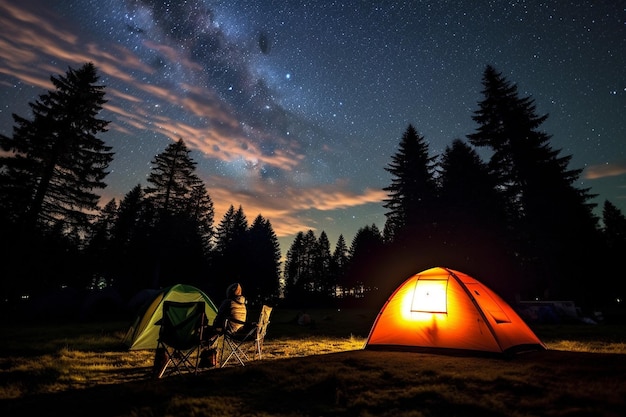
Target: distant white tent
pixel 144 331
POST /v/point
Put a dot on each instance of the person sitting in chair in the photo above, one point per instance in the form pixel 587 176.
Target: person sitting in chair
pixel 233 309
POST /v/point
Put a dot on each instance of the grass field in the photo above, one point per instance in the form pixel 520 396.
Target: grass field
pixel 84 370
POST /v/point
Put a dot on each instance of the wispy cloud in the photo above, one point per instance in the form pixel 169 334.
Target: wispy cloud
pixel 32 49
pixel 215 131
pixel 594 172
pixel 286 206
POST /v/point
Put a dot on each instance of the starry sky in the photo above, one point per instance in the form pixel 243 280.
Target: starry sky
pixel 293 109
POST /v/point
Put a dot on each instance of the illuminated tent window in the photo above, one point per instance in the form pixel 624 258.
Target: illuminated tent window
pixel 430 296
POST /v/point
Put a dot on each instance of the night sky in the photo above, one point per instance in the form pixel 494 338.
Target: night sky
pixel 293 109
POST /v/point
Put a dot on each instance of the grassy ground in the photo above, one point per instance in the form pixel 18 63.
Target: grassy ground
pixel 322 370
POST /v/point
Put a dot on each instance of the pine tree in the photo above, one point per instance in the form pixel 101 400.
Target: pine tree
pixel 54 161
pixel 552 220
pixel 131 218
pixel 473 229
pixel 172 179
pixel 49 170
pixel 200 209
pixel 309 258
pixel 132 242
pixel 467 191
pixel 300 274
pixel 614 232
pixel 231 231
pixel 413 191
pixel 263 278
pixel 365 249
pixel 614 226
pixel 99 246
pixel 184 210
pixel 324 279
pixel 231 253
pixel 339 263
pixel 294 269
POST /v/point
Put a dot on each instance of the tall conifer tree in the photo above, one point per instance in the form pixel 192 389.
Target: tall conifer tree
pixel 294 269
pixel 49 171
pixel 54 162
pixel 473 229
pixel 324 282
pixel 614 232
pixel 231 260
pixel 364 250
pixel 552 219
pixel 263 277
pixel 184 212
pixel 172 179
pixel 614 227
pixel 131 248
pixel 413 191
pixel 300 273
pixel 340 261
pixel 200 209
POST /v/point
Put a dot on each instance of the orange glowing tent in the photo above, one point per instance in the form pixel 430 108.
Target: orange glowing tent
pixel 441 308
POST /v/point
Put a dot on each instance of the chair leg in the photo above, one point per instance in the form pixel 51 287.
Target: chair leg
pixel 164 368
pixel 258 348
pixel 234 350
pixel 177 361
pixel 220 349
pixel 164 359
pixel 230 351
pixel 160 362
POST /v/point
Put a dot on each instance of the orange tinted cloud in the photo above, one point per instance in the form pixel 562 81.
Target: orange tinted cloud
pixel 284 206
pixel 210 125
pixel 26 37
pixel 604 170
pixel 216 131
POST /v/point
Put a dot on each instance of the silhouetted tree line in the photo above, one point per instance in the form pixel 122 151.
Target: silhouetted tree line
pixel 55 236
pixel 517 221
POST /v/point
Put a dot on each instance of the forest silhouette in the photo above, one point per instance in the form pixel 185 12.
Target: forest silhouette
pixel 518 220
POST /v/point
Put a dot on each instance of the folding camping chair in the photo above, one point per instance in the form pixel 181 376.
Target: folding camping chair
pixel 239 344
pixel 180 338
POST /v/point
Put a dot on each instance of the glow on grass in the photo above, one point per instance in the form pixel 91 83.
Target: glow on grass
pixel 587 346
pixel 285 348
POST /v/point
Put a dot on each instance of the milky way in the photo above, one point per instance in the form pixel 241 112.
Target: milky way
pixel 293 110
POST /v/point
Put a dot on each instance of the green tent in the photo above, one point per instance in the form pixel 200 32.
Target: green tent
pixel 144 331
